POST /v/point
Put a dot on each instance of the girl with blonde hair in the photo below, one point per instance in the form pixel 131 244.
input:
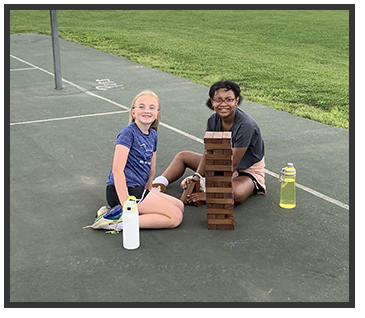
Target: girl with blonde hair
pixel 134 169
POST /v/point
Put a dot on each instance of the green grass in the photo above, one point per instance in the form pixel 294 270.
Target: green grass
pixel 296 61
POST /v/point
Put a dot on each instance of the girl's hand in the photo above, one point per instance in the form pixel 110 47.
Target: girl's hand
pixel 186 182
pixel 194 197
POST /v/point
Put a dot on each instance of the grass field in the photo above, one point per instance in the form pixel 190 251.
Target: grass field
pixel 296 61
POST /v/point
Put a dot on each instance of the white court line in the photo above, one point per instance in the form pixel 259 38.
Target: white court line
pixel 64 118
pixel 72 84
pixel 22 69
pixel 314 192
pixel 273 174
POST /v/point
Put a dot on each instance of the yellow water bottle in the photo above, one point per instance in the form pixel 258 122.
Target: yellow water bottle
pixel 287 191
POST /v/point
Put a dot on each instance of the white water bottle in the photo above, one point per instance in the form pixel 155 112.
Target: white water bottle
pixel 130 224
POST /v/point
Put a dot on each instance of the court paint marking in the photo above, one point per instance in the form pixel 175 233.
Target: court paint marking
pixel 72 84
pixel 22 69
pixel 181 132
pixel 106 83
pixel 64 118
pixel 273 174
pixel 314 192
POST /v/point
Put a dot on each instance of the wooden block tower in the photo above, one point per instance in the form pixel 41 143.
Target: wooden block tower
pixel 218 180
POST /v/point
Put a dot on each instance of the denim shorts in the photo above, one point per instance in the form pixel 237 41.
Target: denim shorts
pixel 112 197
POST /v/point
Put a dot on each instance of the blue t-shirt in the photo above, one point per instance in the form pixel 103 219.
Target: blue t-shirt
pixel 141 149
pixel 245 133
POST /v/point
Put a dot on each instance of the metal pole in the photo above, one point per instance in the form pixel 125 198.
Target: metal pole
pixel 56 50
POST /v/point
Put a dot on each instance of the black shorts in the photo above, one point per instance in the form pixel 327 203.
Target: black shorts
pixel 257 186
pixel 112 197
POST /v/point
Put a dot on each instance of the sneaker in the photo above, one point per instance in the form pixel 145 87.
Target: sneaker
pixel 111 220
pixel 159 187
pixel 103 210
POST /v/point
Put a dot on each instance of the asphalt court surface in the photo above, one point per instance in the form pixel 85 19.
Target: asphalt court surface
pixel 61 149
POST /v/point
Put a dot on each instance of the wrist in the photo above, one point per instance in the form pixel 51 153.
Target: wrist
pixel 197 174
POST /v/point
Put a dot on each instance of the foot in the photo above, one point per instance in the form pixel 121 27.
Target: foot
pixel 111 220
pixel 103 210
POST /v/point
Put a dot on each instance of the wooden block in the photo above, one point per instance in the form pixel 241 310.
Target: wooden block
pixel 219 216
pixel 209 174
pixel 209 137
pixel 213 156
pixel 218 162
pixel 219 178
pixel 220 221
pixel 219 195
pixel 215 206
pixel 187 191
pixel 227 137
pixel 219 168
pixel 217 146
pixel 212 227
pixel 197 189
pixel 219 211
pixel 218 134
pixel 221 227
pixel 219 190
pixel 193 187
pixel 214 195
pixel 212 184
pixel 209 162
pixel 219 201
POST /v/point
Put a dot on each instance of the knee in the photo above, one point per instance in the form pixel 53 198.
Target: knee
pixel 180 206
pixel 241 195
pixel 176 220
pixel 181 155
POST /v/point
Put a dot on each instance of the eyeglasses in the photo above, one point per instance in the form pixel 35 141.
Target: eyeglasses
pixel 142 107
pixel 220 101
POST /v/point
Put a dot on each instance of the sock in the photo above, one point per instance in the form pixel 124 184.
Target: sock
pixel 161 179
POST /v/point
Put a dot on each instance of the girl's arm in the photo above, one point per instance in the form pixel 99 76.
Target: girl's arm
pixel 152 172
pixel 238 154
pixel 201 168
pixel 120 159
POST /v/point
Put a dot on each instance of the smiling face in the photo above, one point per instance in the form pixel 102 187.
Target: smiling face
pixel 224 102
pixel 145 110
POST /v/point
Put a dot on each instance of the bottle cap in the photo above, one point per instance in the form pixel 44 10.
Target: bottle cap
pixel 290 170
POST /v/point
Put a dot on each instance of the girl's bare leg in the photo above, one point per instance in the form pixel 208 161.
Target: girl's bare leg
pixel 178 203
pixel 159 211
pixel 183 160
pixel 243 187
